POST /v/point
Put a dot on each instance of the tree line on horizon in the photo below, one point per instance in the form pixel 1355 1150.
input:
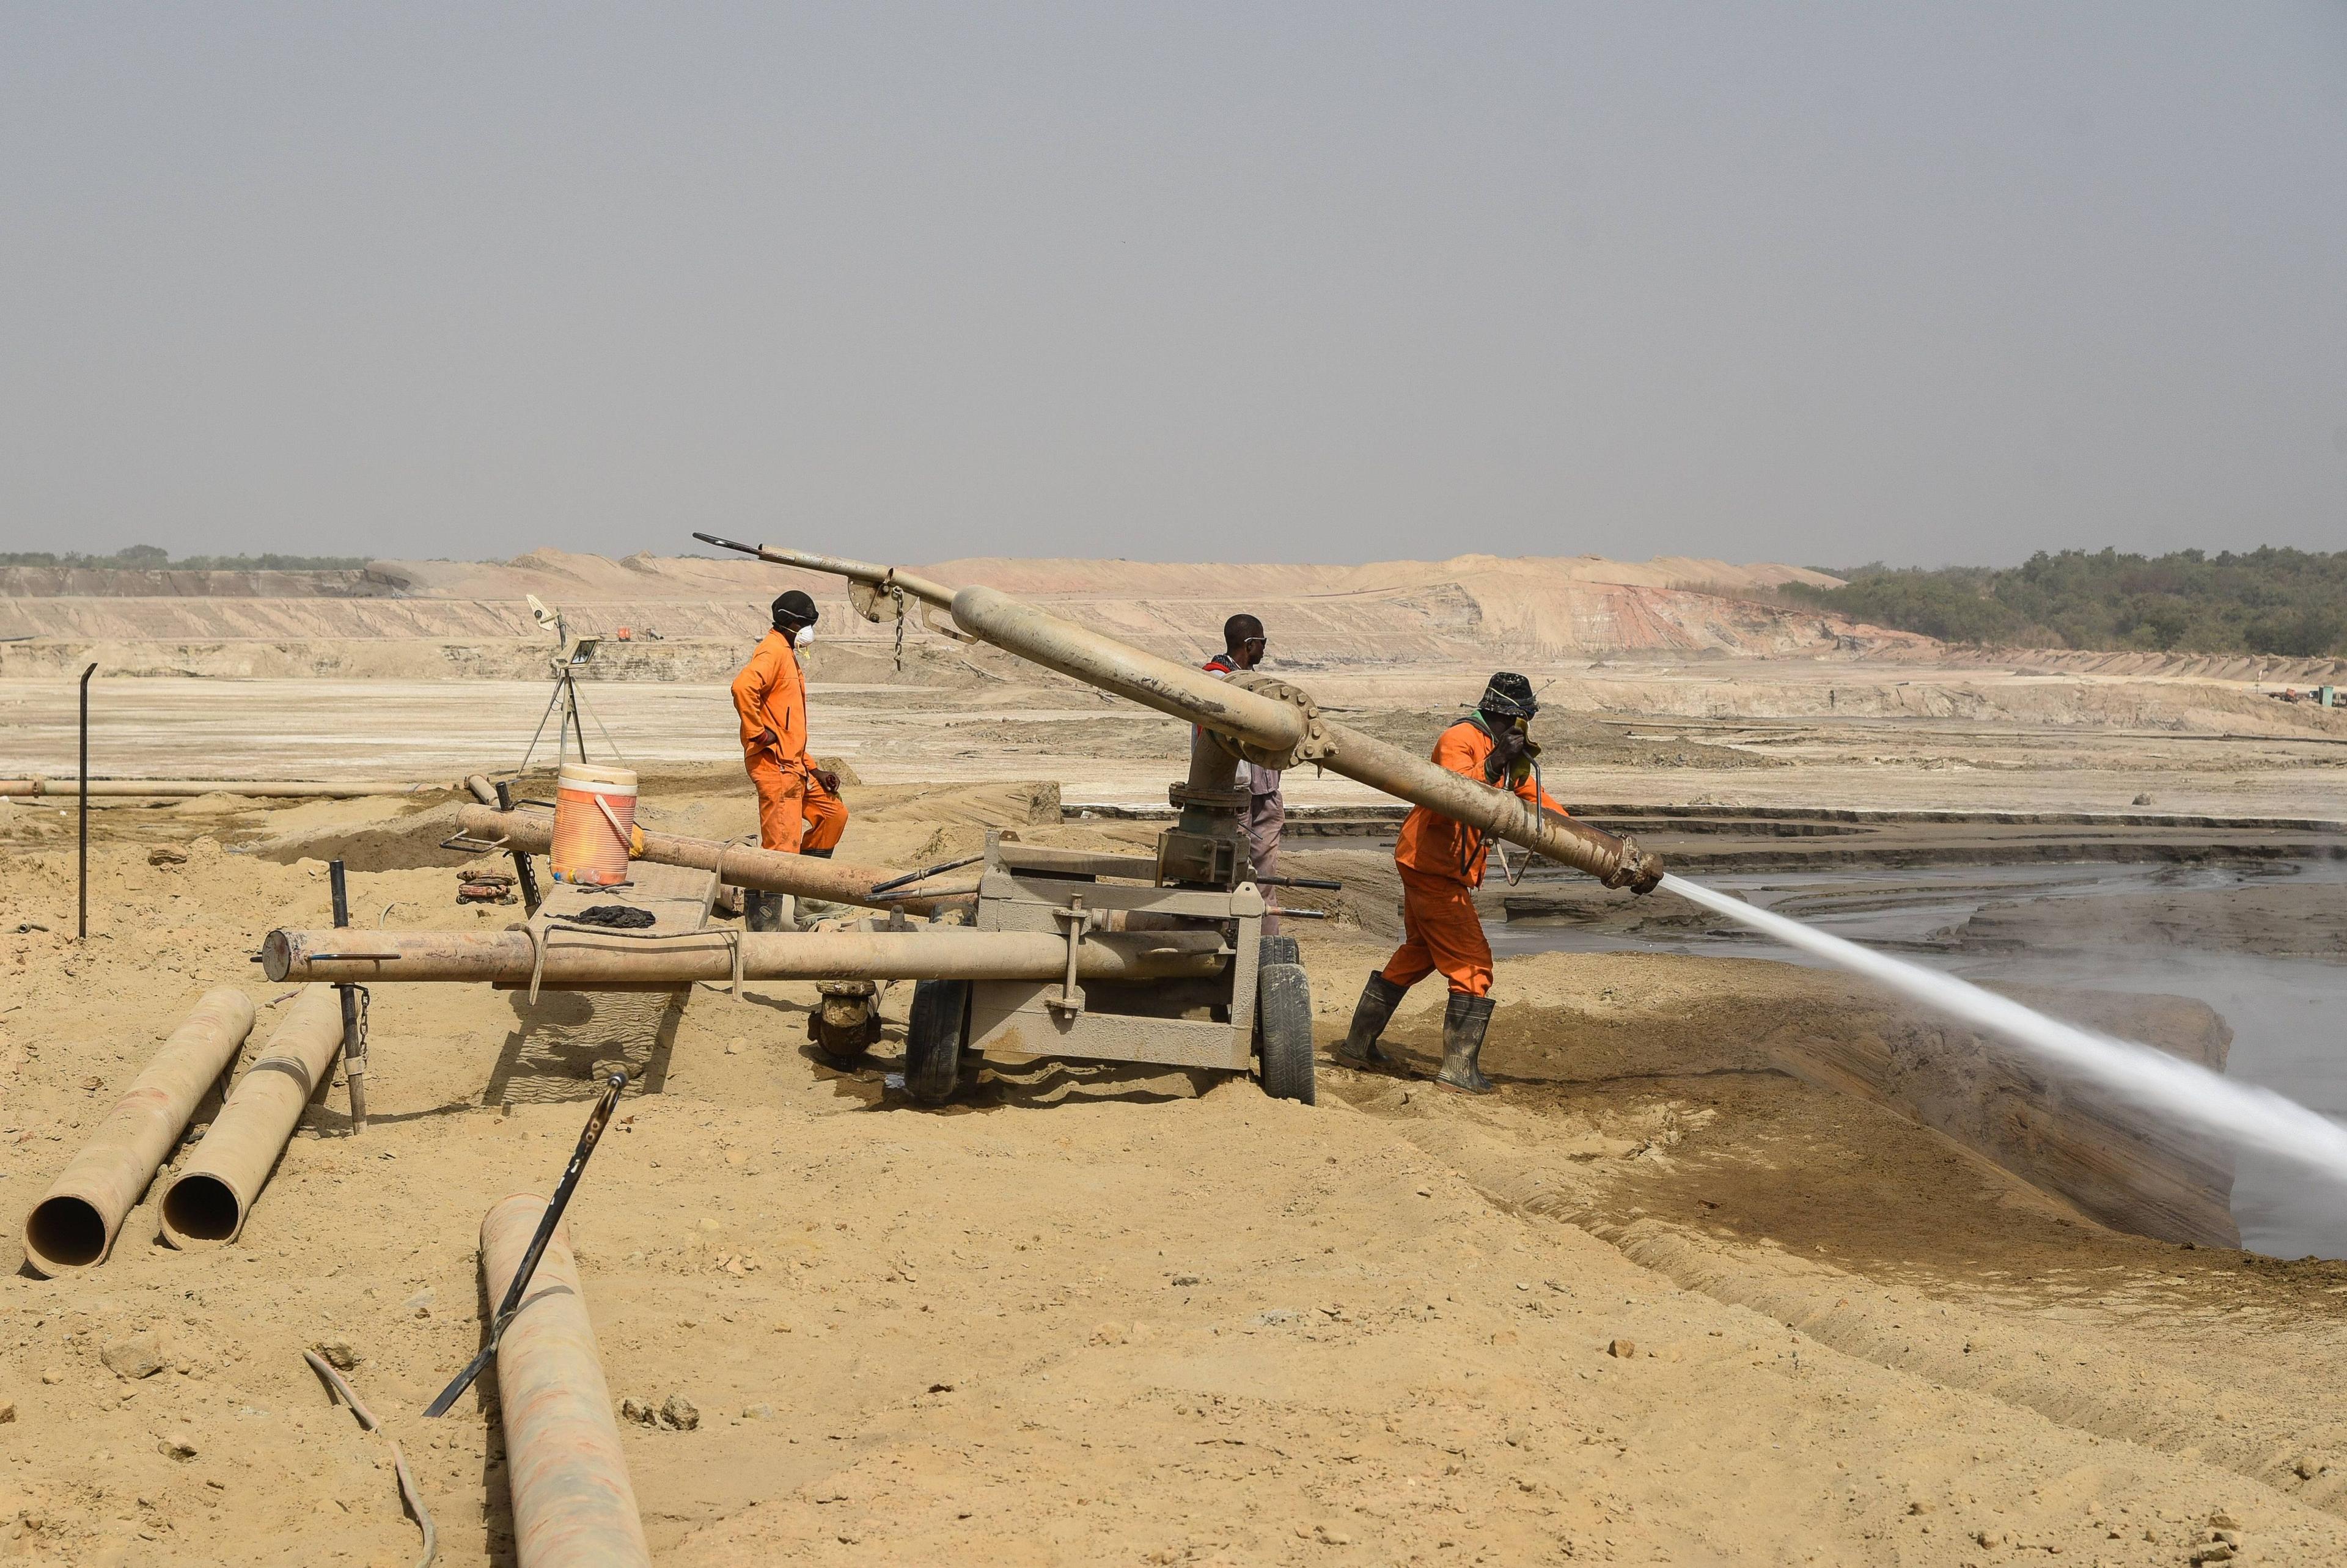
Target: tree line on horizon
pixel 154 557
pixel 2269 600
pixel 2288 602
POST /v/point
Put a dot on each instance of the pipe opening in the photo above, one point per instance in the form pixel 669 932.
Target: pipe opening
pixel 200 1208
pixel 65 1233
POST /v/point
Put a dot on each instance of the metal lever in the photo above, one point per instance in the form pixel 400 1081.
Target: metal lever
pixel 354 1041
pixel 503 1320
pixel 910 877
pixel 522 872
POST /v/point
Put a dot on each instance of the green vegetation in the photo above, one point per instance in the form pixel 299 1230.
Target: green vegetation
pixel 2266 600
pixel 154 558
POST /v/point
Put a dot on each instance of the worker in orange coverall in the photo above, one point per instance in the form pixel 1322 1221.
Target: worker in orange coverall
pixel 799 808
pixel 1441 865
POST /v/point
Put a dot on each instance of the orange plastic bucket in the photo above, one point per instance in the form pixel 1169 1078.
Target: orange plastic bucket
pixel 594 819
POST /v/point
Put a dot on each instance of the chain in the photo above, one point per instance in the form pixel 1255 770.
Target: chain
pixel 898 595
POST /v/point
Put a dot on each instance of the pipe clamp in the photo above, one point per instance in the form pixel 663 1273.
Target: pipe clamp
pixel 1314 745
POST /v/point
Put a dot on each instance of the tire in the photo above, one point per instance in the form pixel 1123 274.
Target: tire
pixel 933 1039
pixel 1280 950
pixel 1282 1023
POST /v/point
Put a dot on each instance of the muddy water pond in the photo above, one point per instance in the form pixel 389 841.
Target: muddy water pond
pixel 2258 943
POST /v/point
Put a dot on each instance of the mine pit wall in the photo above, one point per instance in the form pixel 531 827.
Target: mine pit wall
pixel 2114 1162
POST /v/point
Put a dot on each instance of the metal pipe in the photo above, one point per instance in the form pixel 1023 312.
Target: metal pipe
pixel 207 1201
pixel 74 1226
pixel 177 788
pixel 1113 666
pixel 573 1505
pixel 81 929
pixel 354 1030
pixel 767 870
pixel 578 960
pixel 1275 725
pixel 501 796
pixel 1617 862
pixel 880 577
pixel 1269 724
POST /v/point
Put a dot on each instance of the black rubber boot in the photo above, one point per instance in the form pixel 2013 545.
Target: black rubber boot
pixel 761 911
pixel 1464 1019
pixel 1378 999
pixel 817 854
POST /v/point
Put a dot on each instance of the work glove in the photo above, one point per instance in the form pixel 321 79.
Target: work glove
pixel 1507 750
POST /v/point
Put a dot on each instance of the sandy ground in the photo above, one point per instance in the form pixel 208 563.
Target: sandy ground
pixel 1655 1302
pixel 1923 740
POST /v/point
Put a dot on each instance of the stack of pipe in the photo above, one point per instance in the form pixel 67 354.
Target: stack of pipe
pixel 74 1225
pixel 210 1198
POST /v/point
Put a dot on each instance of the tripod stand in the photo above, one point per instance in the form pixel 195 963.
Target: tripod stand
pixel 564 708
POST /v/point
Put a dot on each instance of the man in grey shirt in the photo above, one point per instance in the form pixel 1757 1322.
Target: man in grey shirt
pixel 1243 646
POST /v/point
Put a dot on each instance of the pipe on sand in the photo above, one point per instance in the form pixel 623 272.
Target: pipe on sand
pixel 575 960
pixel 739 864
pixel 207 1201
pixel 573 1506
pixel 173 789
pixel 74 1226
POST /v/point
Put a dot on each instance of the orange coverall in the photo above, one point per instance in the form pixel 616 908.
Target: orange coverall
pixel 795 813
pixel 1439 928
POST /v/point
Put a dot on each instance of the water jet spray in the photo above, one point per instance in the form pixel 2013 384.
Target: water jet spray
pixel 2184 1093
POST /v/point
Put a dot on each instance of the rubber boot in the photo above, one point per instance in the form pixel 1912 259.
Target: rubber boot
pixel 1464 1019
pixel 763 911
pixel 1378 999
pixel 818 854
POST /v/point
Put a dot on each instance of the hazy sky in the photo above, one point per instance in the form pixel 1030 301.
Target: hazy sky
pixel 1813 282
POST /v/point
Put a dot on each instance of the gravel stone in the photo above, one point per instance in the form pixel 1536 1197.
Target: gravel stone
pixel 140 1355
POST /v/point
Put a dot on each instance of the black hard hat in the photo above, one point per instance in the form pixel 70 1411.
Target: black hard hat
pixel 1510 696
pixel 794 608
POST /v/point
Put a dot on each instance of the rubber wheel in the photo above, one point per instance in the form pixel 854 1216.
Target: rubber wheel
pixel 1279 950
pixel 1282 1023
pixel 933 1039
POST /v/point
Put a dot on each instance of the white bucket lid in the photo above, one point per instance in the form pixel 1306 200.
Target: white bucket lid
pixel 596 778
